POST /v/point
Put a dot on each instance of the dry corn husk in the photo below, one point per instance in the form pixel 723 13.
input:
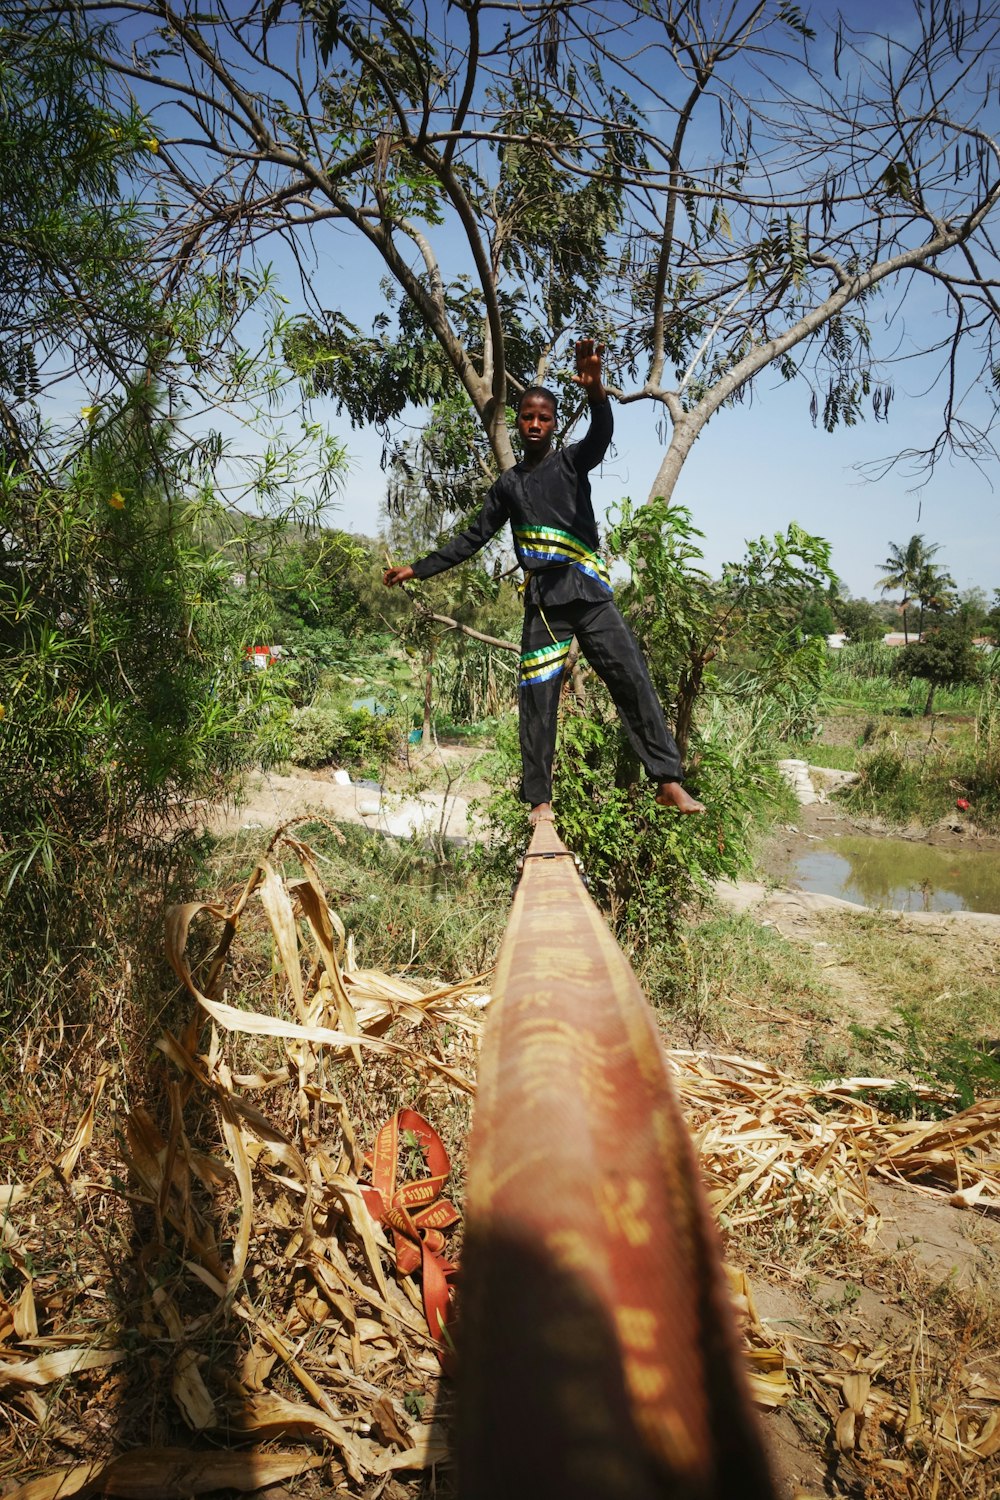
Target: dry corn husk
pixel 330 1343
pixel 770 1143
pixel 167 1474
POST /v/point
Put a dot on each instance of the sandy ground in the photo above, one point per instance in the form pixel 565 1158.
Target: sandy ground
pixel 270 799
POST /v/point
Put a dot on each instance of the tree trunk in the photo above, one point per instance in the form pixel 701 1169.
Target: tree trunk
pixel 681 443
pixel 929 705
pixel 573 674
pixel 687 696
pixel 906 637
pixel 428 736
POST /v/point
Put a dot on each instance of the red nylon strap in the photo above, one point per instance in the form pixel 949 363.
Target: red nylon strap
pixel 414 1211
pixel 598 1354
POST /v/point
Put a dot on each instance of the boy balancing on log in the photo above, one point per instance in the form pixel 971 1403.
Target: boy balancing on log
pixel 546 499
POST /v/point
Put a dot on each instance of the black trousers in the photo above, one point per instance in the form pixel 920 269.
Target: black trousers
pixel 613 652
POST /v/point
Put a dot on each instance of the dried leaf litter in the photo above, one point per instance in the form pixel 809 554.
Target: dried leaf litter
pixel 264 1297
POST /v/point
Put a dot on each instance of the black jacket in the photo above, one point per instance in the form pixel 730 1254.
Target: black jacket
pixel 552 520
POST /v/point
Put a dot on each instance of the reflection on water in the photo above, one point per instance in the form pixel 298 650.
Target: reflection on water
pixel 903 876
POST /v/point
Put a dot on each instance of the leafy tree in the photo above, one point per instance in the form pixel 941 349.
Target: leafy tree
pixel 742 635
pixel 122 682
pixel 521 172
pixel 974 601
pixel 908 568
pixel 859 620
pixel 935 591
pixel 992 621
pixel 817 617
pixel 70 301
pixel 945 658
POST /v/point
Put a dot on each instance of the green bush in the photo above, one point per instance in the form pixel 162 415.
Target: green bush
pixel 317 734
pixel 902 788
pixel 890 785
pixel 323 734
pixel 643 862
pixel 370 740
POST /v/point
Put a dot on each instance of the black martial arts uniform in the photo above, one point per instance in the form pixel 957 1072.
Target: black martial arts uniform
pixel 568 593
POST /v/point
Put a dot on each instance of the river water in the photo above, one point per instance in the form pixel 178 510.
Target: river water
pixel 900 875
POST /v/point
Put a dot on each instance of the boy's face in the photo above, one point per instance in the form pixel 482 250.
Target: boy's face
pixel 536 423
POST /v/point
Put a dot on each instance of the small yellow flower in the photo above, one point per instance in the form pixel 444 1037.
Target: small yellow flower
pixel 151 144
pixel 116 500
pixel 90 413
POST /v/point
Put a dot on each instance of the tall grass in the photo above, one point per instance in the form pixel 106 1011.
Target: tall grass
pixel 862 676
pixel 901 782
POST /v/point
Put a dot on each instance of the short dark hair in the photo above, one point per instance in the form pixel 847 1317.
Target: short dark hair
pixel 538 390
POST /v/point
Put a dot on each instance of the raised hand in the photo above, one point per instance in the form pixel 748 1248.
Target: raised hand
pixel 589 367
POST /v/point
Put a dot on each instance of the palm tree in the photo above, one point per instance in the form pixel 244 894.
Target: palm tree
pixel 902 569
pixel 935 589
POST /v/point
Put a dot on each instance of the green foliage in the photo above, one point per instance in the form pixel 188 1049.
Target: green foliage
pixel 123 681
pixel 442 474
pixel 859 620
pixel 742 635
pixel 953 1063
pixel 323 735
pixel 118 694
pixel 911 569
pixel 863 660
pixel 70 243
pixel 945 657
pixel 371 377
pixel 817 617
pixel 643 862
pixel 902 782
pixel 514 190
pixel 892 784
pixel 992 621
pixel 553 228
pixel 433 481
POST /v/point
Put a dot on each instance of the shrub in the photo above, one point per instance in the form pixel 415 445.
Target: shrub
pixel 642 861
pixel 370 740
pixel 323 734
pixel 317 735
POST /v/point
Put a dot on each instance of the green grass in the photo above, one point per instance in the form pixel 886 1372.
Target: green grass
pixel 942 1006
pixel 860 678
pixel 404 909
pixel 731 981
pixel 931 1009
pixel 900 787
pixel 835 757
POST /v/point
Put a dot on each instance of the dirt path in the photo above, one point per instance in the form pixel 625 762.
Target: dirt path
pixel 430 798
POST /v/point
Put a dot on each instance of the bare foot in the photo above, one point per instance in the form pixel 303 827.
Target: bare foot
pixel 672 794
pixel 541 813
